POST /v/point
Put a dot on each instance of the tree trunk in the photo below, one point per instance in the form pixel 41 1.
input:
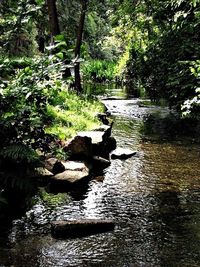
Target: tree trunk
pixel 78 86
pixel 53 18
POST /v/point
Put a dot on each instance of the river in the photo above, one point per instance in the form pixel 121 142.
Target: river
pixel 153 197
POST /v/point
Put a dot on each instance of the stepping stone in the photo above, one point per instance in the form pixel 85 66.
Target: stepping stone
pixel 79 228
pixel 74 166
pixel 122 153
pixel 97 137
pixel 71 176
pixel 79 147
pixel 56 166
pixel 106 129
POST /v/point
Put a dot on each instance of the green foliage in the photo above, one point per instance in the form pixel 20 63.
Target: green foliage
pixel 24 100
pixel 170 127
pixel 191 106
pixel 99 70
pixel 37 110
pixel 169 46
pixel 17 27
pixel 19 153
pixel 9 65
pixel 70 114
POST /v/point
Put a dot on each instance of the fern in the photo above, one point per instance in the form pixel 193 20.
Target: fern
pixel 20 153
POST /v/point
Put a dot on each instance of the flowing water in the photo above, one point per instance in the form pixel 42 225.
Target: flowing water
pixel 153 197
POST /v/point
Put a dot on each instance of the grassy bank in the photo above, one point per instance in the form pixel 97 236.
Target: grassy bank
pixel 38 110
pixel 69 113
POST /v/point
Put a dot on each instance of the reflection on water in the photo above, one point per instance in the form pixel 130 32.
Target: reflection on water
pixel 154 198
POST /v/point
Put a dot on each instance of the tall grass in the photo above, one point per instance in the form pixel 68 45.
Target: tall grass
pixel 69 113
pixel 99 70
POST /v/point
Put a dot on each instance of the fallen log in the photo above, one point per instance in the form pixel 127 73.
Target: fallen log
pixel 80 228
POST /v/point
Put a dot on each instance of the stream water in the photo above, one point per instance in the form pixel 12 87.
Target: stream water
pixel 153 197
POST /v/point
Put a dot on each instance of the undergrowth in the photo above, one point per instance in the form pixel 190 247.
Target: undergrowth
pixel 38 111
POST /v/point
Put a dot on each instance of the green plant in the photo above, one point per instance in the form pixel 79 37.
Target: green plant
pixel 38 110
pixel 169 44
pixel 99 70
pixel 23 109
pixel 191 106
pixel 17 27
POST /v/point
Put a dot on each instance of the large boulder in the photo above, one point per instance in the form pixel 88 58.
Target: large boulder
pixel 88 143
pixel 40 171
pixel 79 228
pixel 102 143
pixel 97 137
pixel 41 175
pixel 79 147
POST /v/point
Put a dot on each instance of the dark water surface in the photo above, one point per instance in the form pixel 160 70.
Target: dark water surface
pixel 154 198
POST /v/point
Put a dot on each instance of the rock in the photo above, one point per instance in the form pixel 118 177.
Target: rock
pixel 122 153
pixel 99 163
pixel 41 175
pixel 105 148
pixel 79 147
pixel 103 118
pixel 43 172
pixel 111 144
pixel 106 129
pixel 58 167
pixel 99 178
pixel 49 163
pixel 102 144
pixel 71 176
pixel 97 137
pixel 75 166
pixel 79 228
pixel 74 173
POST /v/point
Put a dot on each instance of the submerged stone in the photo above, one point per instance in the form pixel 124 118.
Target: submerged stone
pixel 122 153
pixel 81 227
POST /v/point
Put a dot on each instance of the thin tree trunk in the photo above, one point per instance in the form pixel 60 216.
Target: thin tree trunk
pixel 53 18
pixel 78 86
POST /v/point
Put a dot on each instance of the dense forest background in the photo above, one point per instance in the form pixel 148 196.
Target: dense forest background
pixel 48 49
